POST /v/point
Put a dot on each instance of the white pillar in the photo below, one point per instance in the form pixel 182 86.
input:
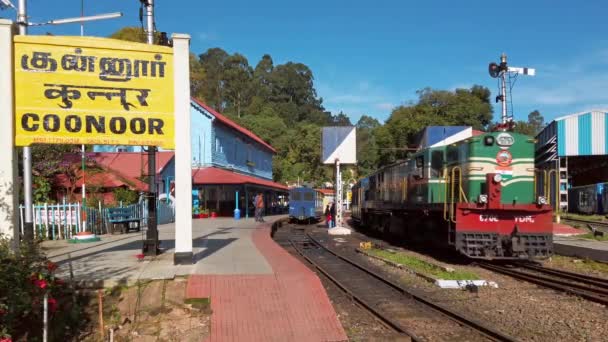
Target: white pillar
pixel 183 151
pixel 9 186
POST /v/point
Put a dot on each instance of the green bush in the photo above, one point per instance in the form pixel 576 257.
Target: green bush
pixel 25 276
pixel 125 195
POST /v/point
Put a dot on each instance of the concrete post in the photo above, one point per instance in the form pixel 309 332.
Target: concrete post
pixel 9 186
pixel 183 151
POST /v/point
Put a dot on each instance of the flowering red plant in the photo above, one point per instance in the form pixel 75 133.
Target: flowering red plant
pixel 41 283
pixel 52 304
pixel 51 266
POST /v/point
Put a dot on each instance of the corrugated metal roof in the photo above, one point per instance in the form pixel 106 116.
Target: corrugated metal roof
pixel 581 134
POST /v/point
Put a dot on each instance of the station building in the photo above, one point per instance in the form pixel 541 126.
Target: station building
pixel 230 164
pixel 571 155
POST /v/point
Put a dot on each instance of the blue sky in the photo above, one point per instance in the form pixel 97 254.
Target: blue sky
pixel 370 56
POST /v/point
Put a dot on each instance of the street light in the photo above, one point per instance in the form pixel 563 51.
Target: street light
pixel 4 4
pixel 78 19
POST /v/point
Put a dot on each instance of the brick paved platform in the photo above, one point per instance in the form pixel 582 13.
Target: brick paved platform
pixel 288 305
pixel 561 229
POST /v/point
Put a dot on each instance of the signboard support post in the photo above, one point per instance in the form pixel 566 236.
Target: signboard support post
pixel 9 186
pixel 28 225
pixel 183 151
pixel 338 195
pixel 151 243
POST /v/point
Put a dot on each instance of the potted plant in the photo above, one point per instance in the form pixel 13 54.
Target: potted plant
pixel 204 213
pixel 195 212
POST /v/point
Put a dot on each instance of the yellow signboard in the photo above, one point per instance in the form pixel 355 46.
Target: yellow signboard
pixel 87 90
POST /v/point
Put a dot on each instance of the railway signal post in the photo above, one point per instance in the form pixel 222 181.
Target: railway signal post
pixel 339 147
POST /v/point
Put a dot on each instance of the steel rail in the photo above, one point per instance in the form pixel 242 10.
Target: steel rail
pixel 388 321
pixel 575 289
pixel 458 317
pixel 583 278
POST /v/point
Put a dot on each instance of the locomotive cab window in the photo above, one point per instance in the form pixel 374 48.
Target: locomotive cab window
pixel 419 173
pixel 295 196
pixel 436 163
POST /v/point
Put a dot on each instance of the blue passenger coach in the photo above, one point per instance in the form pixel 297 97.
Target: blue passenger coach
pixel 305 204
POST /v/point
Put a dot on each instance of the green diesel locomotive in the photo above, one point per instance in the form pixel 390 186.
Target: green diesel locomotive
pixel 476 195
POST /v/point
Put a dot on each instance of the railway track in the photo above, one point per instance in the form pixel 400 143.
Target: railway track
pixel 588 287
pixel 594 225
pixel 406 312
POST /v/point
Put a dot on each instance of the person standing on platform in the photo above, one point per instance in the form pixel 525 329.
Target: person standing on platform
pixel 327 216
pixel 332 212
pixel 255 207
pixel 260 207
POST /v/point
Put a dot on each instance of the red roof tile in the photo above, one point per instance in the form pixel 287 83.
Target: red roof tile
pixel 121 168
pixel 104 179
pixel 234 125
pixel 129 164
pixel 326 191
pixel 214 175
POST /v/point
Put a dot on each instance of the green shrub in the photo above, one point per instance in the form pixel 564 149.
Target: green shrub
pixel 125 195
pixel 25 276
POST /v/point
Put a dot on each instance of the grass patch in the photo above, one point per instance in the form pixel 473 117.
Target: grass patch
pixel 202 304
pixel 593 237
pixel 422 266
pixel 586 264
pixel 598 218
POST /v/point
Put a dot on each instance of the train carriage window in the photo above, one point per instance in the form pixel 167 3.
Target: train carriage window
pixel 295 196
pixel 583 199
pixel 308 196
pixel 436 163
pixel 419 161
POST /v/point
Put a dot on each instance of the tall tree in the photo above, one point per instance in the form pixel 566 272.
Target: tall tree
pixel 237 78
pixel 262 77
pixel 341 119
pixel 536 120
pixel 367 148
pixel 213 61
pixel 531 127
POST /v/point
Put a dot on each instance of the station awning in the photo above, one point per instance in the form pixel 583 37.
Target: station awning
pixel 217 176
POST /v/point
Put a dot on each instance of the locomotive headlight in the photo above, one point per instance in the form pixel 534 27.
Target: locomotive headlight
pixel 483 199
pixel 497 178
pixel 541 200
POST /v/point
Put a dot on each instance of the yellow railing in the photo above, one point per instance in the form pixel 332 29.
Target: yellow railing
pixel 448 209
pixel 545 182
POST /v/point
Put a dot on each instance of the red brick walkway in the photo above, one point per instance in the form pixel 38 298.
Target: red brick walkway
pixel 564 229
pixel 290 305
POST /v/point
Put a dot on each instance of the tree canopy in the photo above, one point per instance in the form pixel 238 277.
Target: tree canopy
pixel 279 103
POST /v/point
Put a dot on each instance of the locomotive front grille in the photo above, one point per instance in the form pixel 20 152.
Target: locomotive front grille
pixel 493 245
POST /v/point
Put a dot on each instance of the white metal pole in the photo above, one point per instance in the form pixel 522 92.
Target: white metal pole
pixel 45 315
pixel 338 195
pixel 183 151
pixel 9 185
pixel 503 88
pixel 27 151
pixel 150 22
pixel 81 15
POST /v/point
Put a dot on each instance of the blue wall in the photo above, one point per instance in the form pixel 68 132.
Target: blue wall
pixel 215 144
pixel 231 149
pixel 201 133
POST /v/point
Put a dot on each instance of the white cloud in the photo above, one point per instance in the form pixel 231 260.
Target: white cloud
pixel 207 36
pixel 385 106
pixel 577 82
